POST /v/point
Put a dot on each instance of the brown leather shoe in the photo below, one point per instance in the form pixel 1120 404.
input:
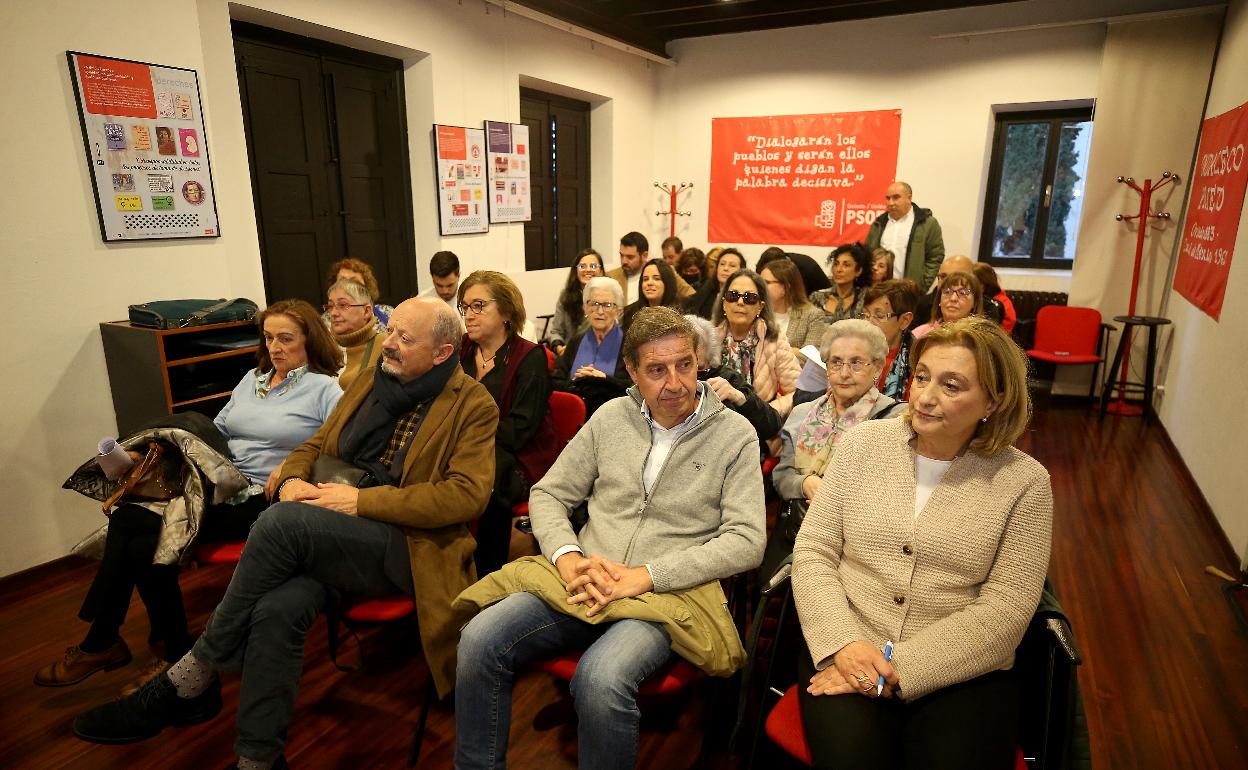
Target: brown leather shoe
pixel 78 665
pixel 154 667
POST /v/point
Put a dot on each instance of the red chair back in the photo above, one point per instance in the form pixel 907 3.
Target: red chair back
pixel 568 412
pixel 550 359
pixel 1067 331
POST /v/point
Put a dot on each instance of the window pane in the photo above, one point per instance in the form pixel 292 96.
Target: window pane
pixel 1062 231
pixel 1022 185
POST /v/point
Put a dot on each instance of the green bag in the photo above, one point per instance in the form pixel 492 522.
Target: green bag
pixel 178 313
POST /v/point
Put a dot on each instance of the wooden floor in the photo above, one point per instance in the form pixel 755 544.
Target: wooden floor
pixel 1165 680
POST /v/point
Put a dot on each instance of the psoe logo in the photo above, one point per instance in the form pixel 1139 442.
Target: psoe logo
pixel 827 215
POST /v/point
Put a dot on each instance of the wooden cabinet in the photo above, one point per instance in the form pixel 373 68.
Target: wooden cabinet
pixel 156 372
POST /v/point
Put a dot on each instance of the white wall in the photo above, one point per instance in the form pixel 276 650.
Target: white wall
pixel 463 65
pixel 946 90
pixel 1203 406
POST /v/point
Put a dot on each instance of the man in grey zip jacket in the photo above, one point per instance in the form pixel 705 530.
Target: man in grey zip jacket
pixel 675 495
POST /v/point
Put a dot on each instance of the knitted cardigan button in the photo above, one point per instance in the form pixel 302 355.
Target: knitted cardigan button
pixel 899 599
pixel 906 549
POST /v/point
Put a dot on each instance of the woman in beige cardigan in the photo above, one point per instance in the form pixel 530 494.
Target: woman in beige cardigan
pixel 932 533
pixel 752 343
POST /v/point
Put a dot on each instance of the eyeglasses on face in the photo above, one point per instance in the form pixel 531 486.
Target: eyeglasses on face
pixel 959 291
pixel 478 307
pixel 748 297
pixel 878 317
pixel 341 306
pixel 592 305
pixel 856 365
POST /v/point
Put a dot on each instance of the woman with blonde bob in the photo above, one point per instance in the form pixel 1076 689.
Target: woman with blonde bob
pixel 930 539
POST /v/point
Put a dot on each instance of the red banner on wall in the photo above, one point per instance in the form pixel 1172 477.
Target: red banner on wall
pixel 1213 211
pixel 800 179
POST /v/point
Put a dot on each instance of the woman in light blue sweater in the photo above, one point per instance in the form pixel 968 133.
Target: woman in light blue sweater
pixel 275 408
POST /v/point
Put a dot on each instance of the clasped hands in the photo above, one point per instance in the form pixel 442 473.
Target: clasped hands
pixel 343 498
pixel 588 370
pixel 856 667
pixel 596 581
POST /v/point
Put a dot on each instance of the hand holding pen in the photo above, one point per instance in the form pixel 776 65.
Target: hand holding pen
pixel 888 657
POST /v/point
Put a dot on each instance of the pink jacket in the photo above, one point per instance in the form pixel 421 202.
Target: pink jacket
pixel 775 369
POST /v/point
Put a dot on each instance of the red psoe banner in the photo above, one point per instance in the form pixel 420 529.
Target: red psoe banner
pixel 1213 211
pixel 800 179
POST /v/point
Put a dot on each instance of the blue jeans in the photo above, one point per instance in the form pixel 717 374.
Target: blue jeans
pixel 618 657
pixel 294 554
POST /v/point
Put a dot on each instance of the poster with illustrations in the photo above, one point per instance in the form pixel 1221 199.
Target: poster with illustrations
pixel 147 151
pixel 509 157
pixel 460 166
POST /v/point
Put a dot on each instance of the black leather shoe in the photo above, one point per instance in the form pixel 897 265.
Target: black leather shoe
pixel 146 712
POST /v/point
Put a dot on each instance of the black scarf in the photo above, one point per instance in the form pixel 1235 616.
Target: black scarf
pixel 366 434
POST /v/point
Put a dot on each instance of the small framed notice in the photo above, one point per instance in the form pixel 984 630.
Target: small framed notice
pixel 147 150
pixel 460 169
pixel 509 157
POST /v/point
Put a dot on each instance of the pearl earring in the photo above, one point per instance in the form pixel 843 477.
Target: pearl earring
pixel 984 418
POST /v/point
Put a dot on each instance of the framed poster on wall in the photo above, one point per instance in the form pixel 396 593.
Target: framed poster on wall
pixel 460 167
pixel 147 150
pixel 509 156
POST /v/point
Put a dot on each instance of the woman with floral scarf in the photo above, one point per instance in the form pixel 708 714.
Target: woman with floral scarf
pixel 854 351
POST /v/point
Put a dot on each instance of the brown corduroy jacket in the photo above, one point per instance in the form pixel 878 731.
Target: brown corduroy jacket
pixel 447 478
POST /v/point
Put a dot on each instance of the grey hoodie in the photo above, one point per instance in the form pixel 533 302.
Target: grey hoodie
pixel 703 519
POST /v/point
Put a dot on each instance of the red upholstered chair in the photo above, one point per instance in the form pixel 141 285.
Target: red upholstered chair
pixel 384 610
pixel 228 552
pixel 568 412
pixel 1069 336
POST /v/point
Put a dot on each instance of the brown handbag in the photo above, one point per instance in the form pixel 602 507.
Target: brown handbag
pixel 155 476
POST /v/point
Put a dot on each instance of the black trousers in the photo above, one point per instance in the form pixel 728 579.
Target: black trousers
pixel 130 545
pixel 967 726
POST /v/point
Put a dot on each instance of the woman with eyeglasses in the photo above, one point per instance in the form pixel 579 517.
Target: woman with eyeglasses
pixel 920 564
pixel 592 365
pixel 657 286
pixel 961 296
pixel 855 351
pixel 351 324
pixel 889 305
pixel 515 373
pixel 359 271
pixel 752 342
pixel 850 271
pixel 569 318
pixel 727 262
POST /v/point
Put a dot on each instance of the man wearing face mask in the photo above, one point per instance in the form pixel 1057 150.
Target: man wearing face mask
pixel 424 431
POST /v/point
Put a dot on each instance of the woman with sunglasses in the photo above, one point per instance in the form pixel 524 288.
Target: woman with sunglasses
pixel 850 266
pixel 961 295
pixel 515 373
pixel 569 319
pixel 752 342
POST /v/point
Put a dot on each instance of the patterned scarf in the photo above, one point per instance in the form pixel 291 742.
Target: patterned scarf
pixel 265 386
pixel 818 434
pixel 738 356
pixel 898 375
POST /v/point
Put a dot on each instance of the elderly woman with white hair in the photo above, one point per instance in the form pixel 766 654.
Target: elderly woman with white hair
pixel 729 384
pixel 855 352
pixel 592 364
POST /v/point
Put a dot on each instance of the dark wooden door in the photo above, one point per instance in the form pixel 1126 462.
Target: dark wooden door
pixel 327 142
pixel 559 178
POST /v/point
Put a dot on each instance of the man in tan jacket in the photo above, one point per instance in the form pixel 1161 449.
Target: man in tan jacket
pixel 424 431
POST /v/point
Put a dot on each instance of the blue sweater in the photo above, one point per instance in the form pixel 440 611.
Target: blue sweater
pixel 262 431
